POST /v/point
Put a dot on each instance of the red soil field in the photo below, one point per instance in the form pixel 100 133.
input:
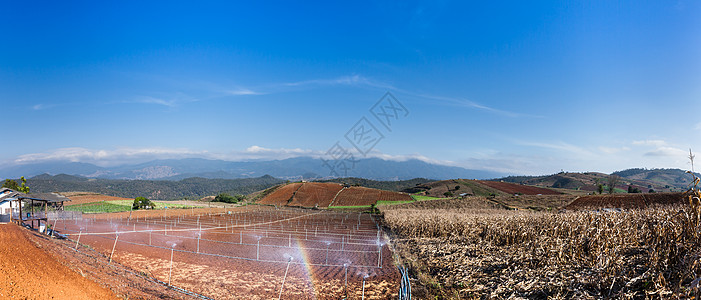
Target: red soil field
pixel 512 188
pixel 627 201
pixel 245 253
pixel 356 196
pixel 282 195
pixel 28 272
pixel 315 194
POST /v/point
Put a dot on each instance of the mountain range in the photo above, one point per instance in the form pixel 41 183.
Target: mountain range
pixel 292 169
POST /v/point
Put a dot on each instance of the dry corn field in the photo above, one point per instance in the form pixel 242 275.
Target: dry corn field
pixel 464 249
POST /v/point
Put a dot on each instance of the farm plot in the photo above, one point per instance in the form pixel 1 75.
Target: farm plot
pixel 315 194
pixel 359 196
pixel 251 252
pixel 511 188
pixel 282 195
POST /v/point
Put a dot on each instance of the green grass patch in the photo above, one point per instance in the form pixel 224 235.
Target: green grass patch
pixel 98 207
pixel 422 198
pixel 394 202
pixel 117 206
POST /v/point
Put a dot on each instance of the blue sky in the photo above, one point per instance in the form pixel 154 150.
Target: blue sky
pixel 514 87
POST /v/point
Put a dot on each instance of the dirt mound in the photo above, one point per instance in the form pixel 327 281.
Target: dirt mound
pixel 315 194
pixel 282 195
pixel 29 272
pixel 626 201
pixel 512 188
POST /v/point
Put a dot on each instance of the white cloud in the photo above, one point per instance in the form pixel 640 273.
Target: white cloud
pixel 667 151
pixel 105 157
pixel 657 143
pixel 561 146
pixel 613 150
pixel 242 92
pixel 153 100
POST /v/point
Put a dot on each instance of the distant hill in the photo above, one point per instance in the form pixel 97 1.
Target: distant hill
pixel 190 188
pixel 659 180
pixel 293 169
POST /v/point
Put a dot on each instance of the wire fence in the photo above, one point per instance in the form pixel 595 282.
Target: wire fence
pixel 332 240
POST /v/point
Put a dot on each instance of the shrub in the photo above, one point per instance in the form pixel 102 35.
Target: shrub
pixel 142 203
pixel 226 198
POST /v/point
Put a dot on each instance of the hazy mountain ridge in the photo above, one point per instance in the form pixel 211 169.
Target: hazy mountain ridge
pixel 660 180
pixel 190 188
pixel 292 168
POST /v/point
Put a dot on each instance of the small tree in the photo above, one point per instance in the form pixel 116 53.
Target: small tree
pixel 613 181
pixel 600 188
pixel 11 184
pixel 142 203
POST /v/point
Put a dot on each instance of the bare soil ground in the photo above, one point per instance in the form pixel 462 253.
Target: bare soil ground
pixel 316 194
pixel 29 272
pixel 282 195
pixel 356 196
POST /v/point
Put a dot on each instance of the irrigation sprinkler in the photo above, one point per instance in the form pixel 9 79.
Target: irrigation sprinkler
pixel 171 263
pixel 343 241
pixel 78 240
pixel 345 285
pixel 327 253
pixel 241 237
pixel 116 237
pixel 366 276
pixel 149 237
pixel 53 228
pixel 379 255
pixel 199 234
pixel 258 250
pixel 289 241
pixel 279 296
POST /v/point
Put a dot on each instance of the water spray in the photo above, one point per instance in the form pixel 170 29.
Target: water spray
pixel 116 237
pixel 258 250
pixel 78 240
pixel 345 284
pixel 284 277
pixel 171 263
pixel 326 262
pixel 363 295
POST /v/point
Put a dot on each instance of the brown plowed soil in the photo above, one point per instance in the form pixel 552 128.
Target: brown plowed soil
pixel 315 194
pixel 512 188
pixel 282 195
pixel 627 201
pixel 28 272
pixel 356 196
